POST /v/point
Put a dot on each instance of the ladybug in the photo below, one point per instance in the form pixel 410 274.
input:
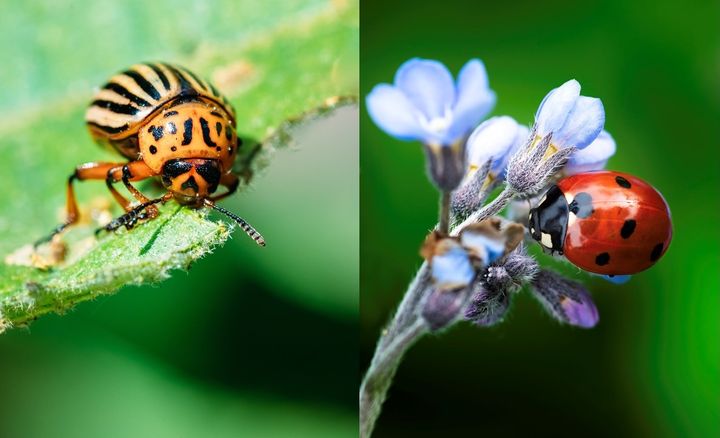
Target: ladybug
pixel 168 123
pixel 605 222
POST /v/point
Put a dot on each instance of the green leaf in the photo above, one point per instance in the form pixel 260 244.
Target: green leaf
pixel 285 70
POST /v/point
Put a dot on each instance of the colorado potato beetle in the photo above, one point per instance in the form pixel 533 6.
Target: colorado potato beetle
pixel 604 222
pixel 168 123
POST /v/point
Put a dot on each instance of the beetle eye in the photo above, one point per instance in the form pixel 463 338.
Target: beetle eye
pixel 174 168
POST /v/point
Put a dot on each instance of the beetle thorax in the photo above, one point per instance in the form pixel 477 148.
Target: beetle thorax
pixel 188 129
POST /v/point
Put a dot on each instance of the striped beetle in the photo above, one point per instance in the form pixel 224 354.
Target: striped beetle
pixel 167 122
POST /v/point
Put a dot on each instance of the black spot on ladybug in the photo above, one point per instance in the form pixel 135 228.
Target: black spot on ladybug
pixel 170 113
pixel 628 228
pixel 218 128
pixel 174 148
pixel 230 150
pixel 218 148
pixel 602 259
pixel 153 149
pixel 581 206
pixel 228 133
pixel 622 182
pixel 156 131
pixel 656 252
pixel 172 129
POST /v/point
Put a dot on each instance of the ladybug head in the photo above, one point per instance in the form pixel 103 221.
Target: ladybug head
pixel 191 179
pixel 548 221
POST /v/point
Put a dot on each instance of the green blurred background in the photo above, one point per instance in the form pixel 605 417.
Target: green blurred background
pixel 652 365
pixel 252 341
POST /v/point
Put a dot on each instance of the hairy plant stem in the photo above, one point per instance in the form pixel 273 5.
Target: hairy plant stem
pixel 444 226
pixel 378 378
pixel 491 209
pixel 406 327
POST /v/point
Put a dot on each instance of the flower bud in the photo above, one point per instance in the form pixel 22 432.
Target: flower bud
pixel 446 164
pixel 565 300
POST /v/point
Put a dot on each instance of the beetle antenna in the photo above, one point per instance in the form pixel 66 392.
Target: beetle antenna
pixel 252 232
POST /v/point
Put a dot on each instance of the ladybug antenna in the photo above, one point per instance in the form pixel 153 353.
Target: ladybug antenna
pixel 252 232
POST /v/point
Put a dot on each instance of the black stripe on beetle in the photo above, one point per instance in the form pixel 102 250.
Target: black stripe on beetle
pixel 170 114
pixel 161 75
pixel 602 259
pixel 228 134
pixel 656 252
pixel 143 83
pixel 153 150
pixel 117 108
pixel 109 129
pixel 185 87
pixel 622 182
pixel 122 91
pixel 187 133
pixel 156 131
pixel 628 228
pixel 218 128
pixel 206 133
pixel 199 81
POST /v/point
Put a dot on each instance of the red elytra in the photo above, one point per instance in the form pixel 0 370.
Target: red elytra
pixel 604 222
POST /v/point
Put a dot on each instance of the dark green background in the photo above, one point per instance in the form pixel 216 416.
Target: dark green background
pixel 651 367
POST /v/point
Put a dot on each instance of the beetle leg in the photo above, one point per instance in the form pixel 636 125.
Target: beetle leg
pixel 130 218
pixel 229 180
pixel 82 172
pixel 132 171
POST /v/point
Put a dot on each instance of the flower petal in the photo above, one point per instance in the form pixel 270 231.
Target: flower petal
pixel 495 138
pixel 474 98
pixel 593 157
pixel 452 268
pixel 616 279
pixel 390 109
pixel 565 300
pixel 583 124
pixel 428 85
pixel 580 310
pixel 556 106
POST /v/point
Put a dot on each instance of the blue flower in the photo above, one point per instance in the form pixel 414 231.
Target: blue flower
pixel 593 157
pixel 497 139
pixel 573 120
pixel 424 104
pixel 450 266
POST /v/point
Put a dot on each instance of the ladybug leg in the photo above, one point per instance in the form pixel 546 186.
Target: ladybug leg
pixel 229 180
pixel 82 172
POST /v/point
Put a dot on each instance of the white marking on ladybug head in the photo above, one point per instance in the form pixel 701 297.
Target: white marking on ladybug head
pixel 546 240
pixel 571 219
pixel 532 230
